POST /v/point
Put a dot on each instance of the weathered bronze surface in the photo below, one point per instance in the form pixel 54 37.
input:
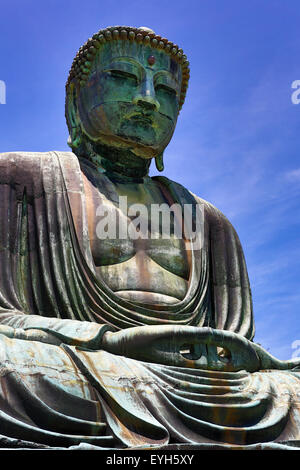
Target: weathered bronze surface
pixel 127 341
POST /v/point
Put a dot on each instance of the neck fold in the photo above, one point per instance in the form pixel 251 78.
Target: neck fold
pixel 119 164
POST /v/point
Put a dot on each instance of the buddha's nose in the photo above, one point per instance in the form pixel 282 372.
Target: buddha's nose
pixel 146 97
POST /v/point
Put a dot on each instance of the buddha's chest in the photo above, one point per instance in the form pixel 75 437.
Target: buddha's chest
pixel 135 238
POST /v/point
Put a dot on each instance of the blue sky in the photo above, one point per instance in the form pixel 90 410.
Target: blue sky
pixel 237 138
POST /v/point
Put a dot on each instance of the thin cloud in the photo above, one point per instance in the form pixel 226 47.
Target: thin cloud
pixel 293 175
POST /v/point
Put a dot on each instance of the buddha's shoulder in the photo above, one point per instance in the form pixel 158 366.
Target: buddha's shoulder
pixel 32 158
pixel 21 169
pixel 212 214
pixel 19 165
pixel 216 218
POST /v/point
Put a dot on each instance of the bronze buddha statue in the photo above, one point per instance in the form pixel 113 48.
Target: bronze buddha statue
pixel 127 335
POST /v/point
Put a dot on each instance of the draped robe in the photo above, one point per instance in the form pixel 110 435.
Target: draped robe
pixel 66 390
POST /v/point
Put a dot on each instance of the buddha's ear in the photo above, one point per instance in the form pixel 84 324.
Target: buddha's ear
pixel 72 117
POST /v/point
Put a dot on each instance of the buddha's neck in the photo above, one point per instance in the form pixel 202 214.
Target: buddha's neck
pixel 119 164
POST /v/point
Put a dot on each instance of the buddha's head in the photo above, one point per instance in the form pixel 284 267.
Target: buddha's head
pixel 124 93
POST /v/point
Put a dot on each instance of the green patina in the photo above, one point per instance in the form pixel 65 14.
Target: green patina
pixel 127 342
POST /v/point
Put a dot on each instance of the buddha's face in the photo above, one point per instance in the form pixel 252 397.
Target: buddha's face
pixel 131 99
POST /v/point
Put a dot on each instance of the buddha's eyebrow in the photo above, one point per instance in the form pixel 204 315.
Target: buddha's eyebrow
pixel 125 59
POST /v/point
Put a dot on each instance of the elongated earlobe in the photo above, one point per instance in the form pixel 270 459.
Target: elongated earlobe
pixel 75 137
pixel 159 162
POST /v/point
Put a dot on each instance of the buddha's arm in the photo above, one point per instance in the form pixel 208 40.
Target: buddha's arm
pixel 52 330
pixel 230 288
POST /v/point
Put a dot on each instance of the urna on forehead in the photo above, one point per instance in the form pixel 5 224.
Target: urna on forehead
pixel 141 43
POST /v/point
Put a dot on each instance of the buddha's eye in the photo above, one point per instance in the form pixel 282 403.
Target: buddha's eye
pixel 123 75
pixel 165 89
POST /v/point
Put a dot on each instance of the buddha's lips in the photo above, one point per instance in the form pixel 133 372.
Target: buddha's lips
pixel 143 118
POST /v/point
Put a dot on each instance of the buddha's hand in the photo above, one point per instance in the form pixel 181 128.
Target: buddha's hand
pixel 184 346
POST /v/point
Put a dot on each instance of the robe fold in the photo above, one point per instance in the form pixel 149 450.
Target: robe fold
pixel 70 391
